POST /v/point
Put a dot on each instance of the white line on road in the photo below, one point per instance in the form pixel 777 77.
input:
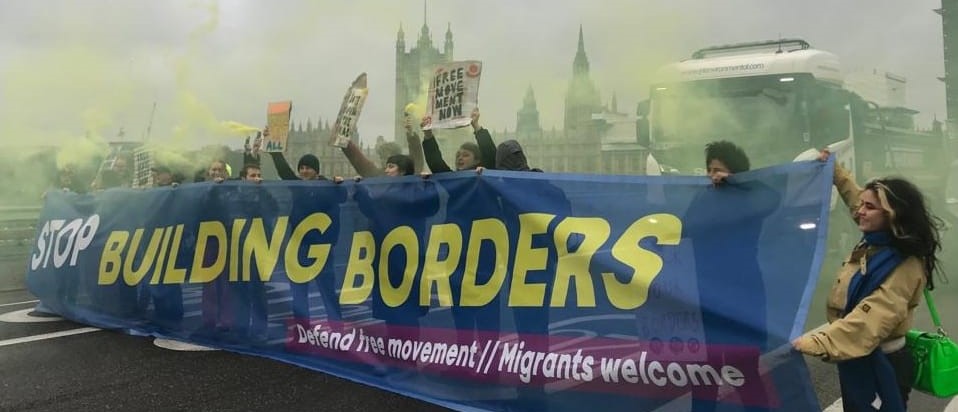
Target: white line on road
pixel 44 336
pixel 834 407
pixel 18 303
pixel 24 316
pixel 952 406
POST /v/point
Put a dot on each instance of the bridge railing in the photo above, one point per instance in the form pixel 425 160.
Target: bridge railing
pixel 17 230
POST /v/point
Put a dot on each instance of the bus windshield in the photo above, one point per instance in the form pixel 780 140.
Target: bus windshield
pixel 762 114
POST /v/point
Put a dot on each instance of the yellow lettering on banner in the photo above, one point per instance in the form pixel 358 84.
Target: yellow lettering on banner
pixel 174 275
pixel 406 237
pixel 266 253
pixel 360 265
pixel 319 254
pixel 235 232
pixel 112 257
pixel 133 276
pixel 208 230
pixel 575 265
pixel 161 256
pixel 483 230
pixel 436 271
pixel 529 259
pixel 646 265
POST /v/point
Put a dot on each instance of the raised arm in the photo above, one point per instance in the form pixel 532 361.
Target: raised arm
pixel 362 164
pixel 433 156
pixel 415 147
pixel 487 148
pixel 845 183
pixel 282 167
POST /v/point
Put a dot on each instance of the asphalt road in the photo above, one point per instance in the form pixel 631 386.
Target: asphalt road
pixel 106 370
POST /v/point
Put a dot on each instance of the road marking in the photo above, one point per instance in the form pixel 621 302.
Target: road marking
pixel 19 303
pixel 23 316
pixel 45 336
pixel 952 406
pixel 180 346
pixel 834 407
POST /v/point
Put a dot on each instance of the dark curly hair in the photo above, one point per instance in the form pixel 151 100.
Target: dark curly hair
pixel 728 153
pixel 914 228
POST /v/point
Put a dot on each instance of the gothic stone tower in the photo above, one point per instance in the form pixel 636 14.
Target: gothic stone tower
pixel 582 98
pixel 414 68
pixel 527 118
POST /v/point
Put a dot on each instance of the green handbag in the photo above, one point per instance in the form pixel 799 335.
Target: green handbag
pixel 936 358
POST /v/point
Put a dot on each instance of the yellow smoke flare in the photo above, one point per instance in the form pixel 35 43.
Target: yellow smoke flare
pixel 237 128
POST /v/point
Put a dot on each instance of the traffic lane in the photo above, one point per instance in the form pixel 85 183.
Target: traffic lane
pixel 110 370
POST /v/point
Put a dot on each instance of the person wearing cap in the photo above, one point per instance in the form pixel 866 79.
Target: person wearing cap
pixel 469 156
pixel 306 169
pixel 306 202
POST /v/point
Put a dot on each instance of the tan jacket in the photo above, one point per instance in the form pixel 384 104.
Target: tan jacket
pixel 881 317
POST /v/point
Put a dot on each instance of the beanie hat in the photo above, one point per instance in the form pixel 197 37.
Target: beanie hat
pixel 309 161
pixel 404 163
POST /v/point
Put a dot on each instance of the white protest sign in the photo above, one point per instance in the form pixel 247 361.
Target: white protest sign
pixel 453 94
pixel 349 112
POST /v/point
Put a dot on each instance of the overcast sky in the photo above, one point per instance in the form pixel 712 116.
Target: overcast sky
pixel 71 66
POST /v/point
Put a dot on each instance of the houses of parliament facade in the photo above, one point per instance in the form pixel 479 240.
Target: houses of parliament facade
pixel 596 137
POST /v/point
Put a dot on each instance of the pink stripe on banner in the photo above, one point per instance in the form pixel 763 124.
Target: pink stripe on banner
pixel 606 365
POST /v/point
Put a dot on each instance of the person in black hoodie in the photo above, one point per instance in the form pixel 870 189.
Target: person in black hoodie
pixel 517 196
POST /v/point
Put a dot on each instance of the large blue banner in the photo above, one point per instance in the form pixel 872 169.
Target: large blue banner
pixel 499 291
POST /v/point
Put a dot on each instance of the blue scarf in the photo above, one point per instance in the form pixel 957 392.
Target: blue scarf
pixel 863 377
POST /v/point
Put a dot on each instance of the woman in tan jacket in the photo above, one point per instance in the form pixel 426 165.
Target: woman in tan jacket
pixel 876 291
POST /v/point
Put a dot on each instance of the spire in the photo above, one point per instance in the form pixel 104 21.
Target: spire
pixel 425 28
pixel 401 38
pixel 581 63
pixel 615 103
pixel 447 49
pixel 581 41
pixel 530 99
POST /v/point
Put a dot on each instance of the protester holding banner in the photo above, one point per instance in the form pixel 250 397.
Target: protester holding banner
pixel 216 299
pixel 386 204
pixel 530 319
pixel 250 306
pixel 731 269
pixel 305 203
pixel 469 156
pixel 872 303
